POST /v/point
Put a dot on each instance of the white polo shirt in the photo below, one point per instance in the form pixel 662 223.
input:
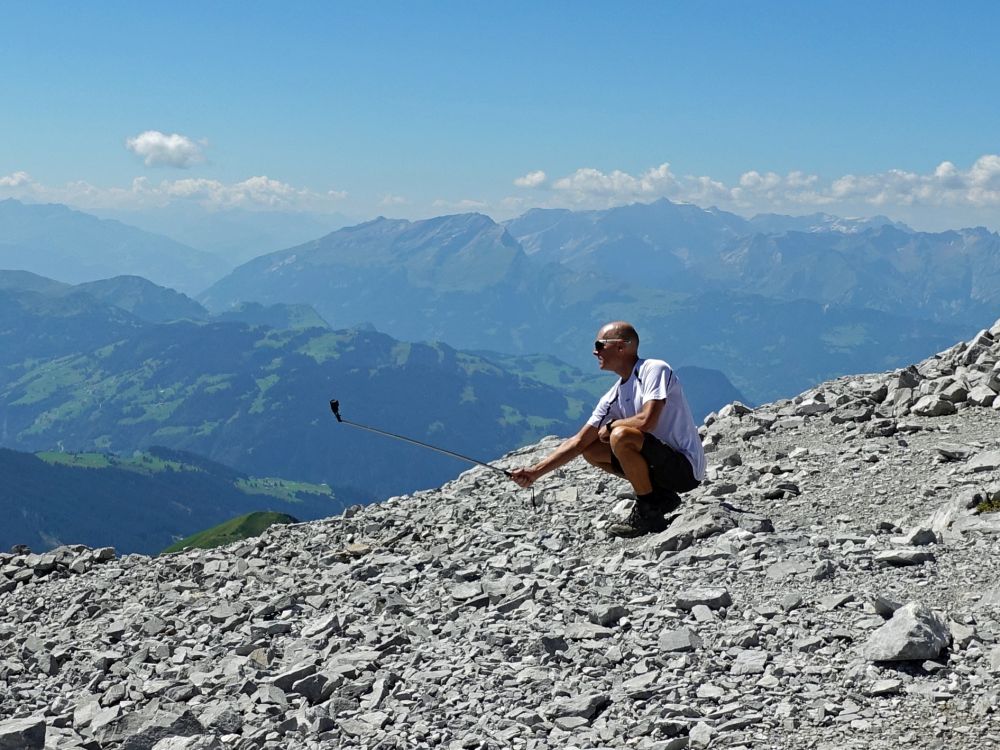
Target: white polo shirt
pixel 654 380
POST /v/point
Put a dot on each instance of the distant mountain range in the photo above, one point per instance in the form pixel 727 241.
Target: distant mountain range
pixel 775 312
pixel 235 235
pixel 870 264
pixel 55 241
pixel 820 222
pixel 774 302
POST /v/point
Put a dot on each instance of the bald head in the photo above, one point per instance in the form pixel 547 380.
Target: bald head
pixel 620 329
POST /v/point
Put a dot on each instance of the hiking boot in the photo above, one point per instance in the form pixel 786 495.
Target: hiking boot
pixel 667 502
pixel 644 519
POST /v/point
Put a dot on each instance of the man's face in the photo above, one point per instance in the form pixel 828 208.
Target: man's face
pixel 609 347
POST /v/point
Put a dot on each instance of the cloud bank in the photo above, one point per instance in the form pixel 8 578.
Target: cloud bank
pixel 948 196
pixel 945 197
pixel 254 193
pixel 161 150
pixel 947 186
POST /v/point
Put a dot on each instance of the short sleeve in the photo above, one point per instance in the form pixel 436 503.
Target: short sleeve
pixel 656 382
pixel 603 409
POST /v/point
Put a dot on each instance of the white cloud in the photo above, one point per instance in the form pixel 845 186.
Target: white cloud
pixel 161 150
pixel 259 192
pixel 15 180
pixel 589 185
pixel 393 200
pixel 947 185
pixel 771 191
pixel 254 193
pixel 531 180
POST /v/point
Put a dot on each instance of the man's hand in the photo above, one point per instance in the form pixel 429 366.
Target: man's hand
pixel 524 477
pixel 604 434
pixel 566 452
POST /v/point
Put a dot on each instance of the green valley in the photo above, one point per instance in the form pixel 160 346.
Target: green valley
pixel 141 502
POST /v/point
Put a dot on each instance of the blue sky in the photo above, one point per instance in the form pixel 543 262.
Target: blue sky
pixel 414 109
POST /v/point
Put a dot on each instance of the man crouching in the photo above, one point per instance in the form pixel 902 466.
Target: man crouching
pixel 641 429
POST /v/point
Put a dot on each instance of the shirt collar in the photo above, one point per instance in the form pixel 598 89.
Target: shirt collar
pixel 635 374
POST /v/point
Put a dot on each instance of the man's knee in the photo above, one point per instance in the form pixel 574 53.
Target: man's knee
pixel 626 439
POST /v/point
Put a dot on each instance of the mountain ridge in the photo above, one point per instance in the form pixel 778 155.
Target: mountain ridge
pixel 54 240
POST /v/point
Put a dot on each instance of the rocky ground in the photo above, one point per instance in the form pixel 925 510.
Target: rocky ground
pixel 832 585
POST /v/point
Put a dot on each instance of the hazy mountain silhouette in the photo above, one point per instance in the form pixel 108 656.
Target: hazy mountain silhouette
pixel 71 246
pixel 144 299
pixel 820 222
pixel 652 244
pixel 872 263
pixel 233 234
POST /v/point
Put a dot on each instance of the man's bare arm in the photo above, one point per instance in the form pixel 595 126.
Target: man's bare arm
pixel 644 421
pixel 566 452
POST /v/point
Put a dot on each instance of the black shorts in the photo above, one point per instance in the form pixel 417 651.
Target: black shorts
pixel 668 469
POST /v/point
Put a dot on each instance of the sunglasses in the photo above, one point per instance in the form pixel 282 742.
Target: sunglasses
pixel 601 343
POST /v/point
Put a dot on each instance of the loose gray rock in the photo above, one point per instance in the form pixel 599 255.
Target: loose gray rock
pixel 933 406
pixel 884 606
pixel 189 743
pixel 584 707
pixel 143 729
pixel 918 537
pixel 982 395
pixel 22 734
pixel 986 461
pixel 885 687
pixel 688 527
pixel 608 615
pixel 222 719
pixel 681 639
pixel 713 598
pixel 701 735
pixel 902 557
pixel 914 632
pixel 749 662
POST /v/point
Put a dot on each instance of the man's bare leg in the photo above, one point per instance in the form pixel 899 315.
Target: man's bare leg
pixel 626 446
pixel 599 454
pixel 626 443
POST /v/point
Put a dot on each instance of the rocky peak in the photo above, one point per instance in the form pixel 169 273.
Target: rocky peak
pixel 833 582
